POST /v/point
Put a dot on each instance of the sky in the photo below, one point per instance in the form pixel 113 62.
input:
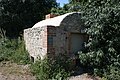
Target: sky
pixel 62 2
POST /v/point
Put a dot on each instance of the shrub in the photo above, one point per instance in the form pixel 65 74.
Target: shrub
pixel 13 50
pixel 114 73
pixel 21 55
pixel 5 50
pixel 102 23
pixel 55 69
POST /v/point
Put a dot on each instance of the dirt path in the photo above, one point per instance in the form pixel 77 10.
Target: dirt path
pixel 12 71
pixel 84 77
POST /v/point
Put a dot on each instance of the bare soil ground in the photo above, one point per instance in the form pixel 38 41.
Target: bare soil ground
pixel 12 71
pixel 84 77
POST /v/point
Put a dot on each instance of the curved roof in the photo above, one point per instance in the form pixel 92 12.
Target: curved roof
pixel 56 21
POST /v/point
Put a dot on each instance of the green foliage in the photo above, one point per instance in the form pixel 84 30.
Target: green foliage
pixel 102 22
pixel 16 15
pixel 72 6
pixel 114 73
pixel 58 11
pixel 76 1
pixel 21 55
pixel 52 69
pixel 13 50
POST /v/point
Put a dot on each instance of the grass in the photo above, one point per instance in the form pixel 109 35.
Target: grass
pixel 13 50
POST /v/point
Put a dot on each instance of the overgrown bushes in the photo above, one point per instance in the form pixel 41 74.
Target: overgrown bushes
pixel 114 73
pixel 13 50
pixel 102 22
pixel 57 68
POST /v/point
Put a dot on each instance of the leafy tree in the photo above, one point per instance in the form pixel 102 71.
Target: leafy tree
pixel 102 22
pixel 78 1
pixel 72 6
pixel 17 15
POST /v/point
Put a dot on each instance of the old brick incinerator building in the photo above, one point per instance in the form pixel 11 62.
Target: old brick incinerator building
pixel 55 35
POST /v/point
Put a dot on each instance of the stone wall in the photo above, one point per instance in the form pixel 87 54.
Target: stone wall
pixel 36 41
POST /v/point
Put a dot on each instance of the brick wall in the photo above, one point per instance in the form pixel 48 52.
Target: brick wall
pixel 50 16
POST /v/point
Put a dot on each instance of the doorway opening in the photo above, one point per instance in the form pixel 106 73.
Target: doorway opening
pixel 76 42
pixel 76 45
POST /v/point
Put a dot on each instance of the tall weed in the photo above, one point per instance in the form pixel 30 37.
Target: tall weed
pixel 13 50
pixel 52 69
